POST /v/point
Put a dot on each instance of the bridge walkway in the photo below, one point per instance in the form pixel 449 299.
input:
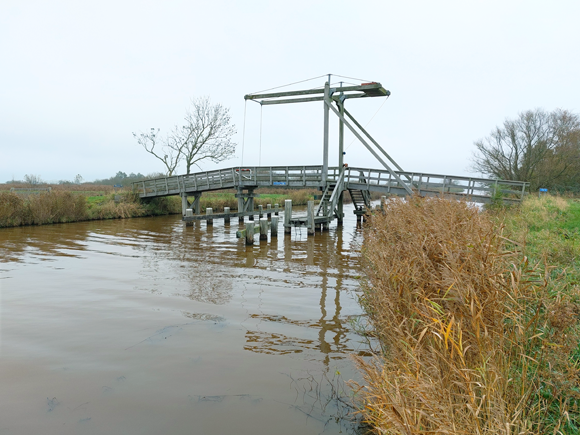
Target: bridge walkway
pixel 357 180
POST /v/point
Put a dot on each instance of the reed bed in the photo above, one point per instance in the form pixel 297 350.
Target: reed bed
pixel 62 206
pixel 475 338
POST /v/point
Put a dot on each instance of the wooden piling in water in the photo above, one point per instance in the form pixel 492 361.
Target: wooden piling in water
pixel 276 211
pixel 188 212
pixel 310 218
pixel 209 212
pixel 269 211
pixel 287 216
pixel 274 227
pixel 250 233
pixel 227 218
pixel 264 229
pixel 260 211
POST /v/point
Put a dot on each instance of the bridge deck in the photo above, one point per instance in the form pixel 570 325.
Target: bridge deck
pixel 373 180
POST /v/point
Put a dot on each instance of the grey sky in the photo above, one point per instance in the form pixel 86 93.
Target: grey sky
pixel 77 77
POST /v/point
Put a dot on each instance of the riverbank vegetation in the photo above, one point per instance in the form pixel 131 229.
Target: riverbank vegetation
pixel 71 203
pixel 477 316
pixel 62 206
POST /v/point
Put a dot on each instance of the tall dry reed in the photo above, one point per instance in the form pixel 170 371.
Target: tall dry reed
pixel 474 340
pixel 42 208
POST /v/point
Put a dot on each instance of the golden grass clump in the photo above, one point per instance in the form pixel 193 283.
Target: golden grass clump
pixel 473 340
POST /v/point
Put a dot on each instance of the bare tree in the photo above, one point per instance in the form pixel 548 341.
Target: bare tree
pixel 206 133
pixel 539 147
pixel 168 150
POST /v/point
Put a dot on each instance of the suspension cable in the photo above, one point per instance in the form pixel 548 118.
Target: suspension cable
pixel 352 78
pixel 289 84
pixel 372 117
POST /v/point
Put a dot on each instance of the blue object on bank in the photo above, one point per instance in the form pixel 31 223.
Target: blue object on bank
pixel 279 183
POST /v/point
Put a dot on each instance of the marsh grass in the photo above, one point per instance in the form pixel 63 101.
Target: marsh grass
pixel 64 204
pixel 61 206
pixel 476 337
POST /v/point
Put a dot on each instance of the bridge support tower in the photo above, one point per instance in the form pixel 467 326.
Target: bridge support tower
pixel 245 201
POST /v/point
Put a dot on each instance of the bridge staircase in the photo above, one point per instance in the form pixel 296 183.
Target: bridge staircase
pixel 361 199
pixel 328 206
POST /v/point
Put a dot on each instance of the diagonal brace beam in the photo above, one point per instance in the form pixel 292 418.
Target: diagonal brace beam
pixel 364 142
pixel 366 133
pixel 360 127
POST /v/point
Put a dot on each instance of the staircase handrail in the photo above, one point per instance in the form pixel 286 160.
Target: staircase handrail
pixel 337 191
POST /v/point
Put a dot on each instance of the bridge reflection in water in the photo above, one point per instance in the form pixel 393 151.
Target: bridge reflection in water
pixel 272 280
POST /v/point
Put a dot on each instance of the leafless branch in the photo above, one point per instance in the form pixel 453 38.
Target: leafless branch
pixel 169 149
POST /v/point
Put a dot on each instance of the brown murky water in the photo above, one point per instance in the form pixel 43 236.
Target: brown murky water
pixel 142 326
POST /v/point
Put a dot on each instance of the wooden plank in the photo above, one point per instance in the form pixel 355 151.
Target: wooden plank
pixel 371 87
pixel 290 100
pixel 283 94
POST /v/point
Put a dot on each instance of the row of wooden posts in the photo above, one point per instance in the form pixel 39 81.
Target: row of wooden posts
pixel 270 222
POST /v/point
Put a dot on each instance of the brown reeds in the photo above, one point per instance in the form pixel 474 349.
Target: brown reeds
pixel 43 208
pixel 473 339
pixel 67 206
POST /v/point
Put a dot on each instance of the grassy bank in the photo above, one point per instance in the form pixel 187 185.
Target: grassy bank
pixel 61 206
pixel 69 205
pixel 477 316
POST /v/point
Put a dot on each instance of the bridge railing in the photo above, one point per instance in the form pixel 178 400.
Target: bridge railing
pixel 288 176
pixel 480 189
pixel 208 180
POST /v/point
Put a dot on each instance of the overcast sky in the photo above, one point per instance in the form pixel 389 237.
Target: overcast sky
pixel 78 77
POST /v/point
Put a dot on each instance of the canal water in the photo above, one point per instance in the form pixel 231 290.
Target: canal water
pixel 144 326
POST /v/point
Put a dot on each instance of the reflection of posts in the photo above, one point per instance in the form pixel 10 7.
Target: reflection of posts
pixel 310 251
pixel 287 251
pixel 310 218
pixel 287 216
pixel 274 227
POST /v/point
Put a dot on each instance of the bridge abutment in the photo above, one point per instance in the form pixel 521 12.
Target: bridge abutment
pixel 245 201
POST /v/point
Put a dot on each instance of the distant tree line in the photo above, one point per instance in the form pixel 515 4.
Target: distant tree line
pixel 540 147
pixel 120 178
